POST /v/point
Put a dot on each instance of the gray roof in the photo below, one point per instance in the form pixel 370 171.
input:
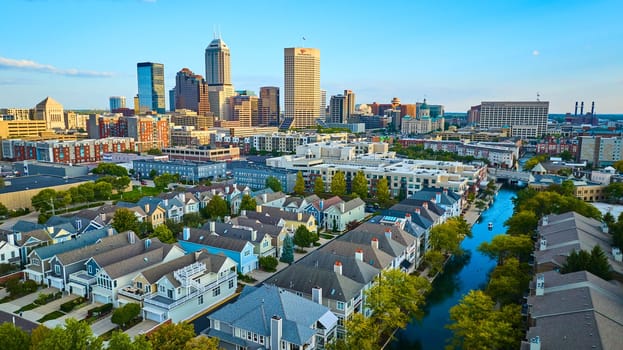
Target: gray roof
pixel 447 197
pixel 302 278
pixel 264 217
pixel 578 310
pixel 22 183
pixel 257 225
pixel 213 262
pixel 205 238
pixel 394 245
pixel 286 215
pixel 254 312
pixel 83 240
pixel 20 322
pixel 105 244
pixel 372 256
pixel 358 271
pixel 129 250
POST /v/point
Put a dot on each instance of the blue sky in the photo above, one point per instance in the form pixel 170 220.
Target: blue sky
pixel 455 53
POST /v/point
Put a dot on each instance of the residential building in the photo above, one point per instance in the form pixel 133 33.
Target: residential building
pixel 187 170
pixel 231 193
pixel 270 317
pixel 600 151
pixel 17 113
pixel 302 86
pixel 202 154
pixel 499 154
pixel 288 142
pixel 268 106
pixel 585 190
pixel 290 220
pixel 420 125
pixel 185 286
pixel 52 112
pixel 218 77
pixel 349 96
pixel 261 240
pixel 277 233
pixel 150 87
pixel 254 176
pixel 450 201
pixel 9 253
pixel 75 121
pixel 188 136
pixel 526 119
pixel 191 92
pixel 186 117
pixel 116 102
pixel 334 214
pixel 337 110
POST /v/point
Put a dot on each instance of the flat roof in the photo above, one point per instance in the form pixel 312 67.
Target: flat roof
pixel 22 183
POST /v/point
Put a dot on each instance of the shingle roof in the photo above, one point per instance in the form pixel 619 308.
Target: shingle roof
pixel 286 215
pixel 106 244
pixel 254 312
pixel 261 228
pixel 122 253
pixel 394 246
pixel 82 240
pixel 358 271
pixel 204 237
pixel 372 256
pixel 135 263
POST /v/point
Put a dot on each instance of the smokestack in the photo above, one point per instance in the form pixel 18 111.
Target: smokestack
pixel 576 109
pixel 582 108
pixel 593 108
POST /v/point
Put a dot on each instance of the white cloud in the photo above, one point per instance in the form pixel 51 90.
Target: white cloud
pixel 535 53
pixel 10 63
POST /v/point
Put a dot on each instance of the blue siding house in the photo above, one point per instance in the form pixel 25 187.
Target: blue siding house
pixel 241 251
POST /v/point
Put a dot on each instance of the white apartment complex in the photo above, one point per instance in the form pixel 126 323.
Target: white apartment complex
pixel 525 119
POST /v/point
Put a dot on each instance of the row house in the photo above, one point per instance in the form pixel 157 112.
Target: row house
pixel 150 210
pixel 68 152
pixel 261 240
pixel 334 214
pixel 277 216
pixel 231 193
pixel 277 234
pixel 555 146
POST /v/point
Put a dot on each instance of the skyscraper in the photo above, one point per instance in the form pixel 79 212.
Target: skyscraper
pixel 218 77
pixel 268 106
pixel 302 86
pixel 323 104
pixel 337 109
pixel 245 110
pixel 191 92
pixel 526 119
pixel 150 87
pixel 116 102
pixel 349 96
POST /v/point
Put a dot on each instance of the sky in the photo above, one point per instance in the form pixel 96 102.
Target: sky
pixel 455 53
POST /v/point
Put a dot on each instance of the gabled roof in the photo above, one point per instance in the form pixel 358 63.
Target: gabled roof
pixel 136 263
pixel 326 203
pixel 263 218
pixel 270 197
pixel 214 263
pixel 286 215
pixel 122 253
pixel 105 244
pixel 254 311
pixel 303 278
pixel 228 230
pixel 394 246
pixel 207 239
pixel 356 270
pixel 447 197
pixel 83 240
pixel 371 256
pixel 40 235
pixel 26 226
pixel 257 225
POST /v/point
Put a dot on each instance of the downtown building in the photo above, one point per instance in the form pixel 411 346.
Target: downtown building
pixel 218 77
pixel 268 106
pixel 147 132
pixel 191 92
pixel 67 152
pixel 150 88
pixel 301 87
pixel 116 102
pixel 525 119
pixel 52 112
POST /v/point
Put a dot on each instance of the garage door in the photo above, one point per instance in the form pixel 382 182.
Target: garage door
pixel 98 298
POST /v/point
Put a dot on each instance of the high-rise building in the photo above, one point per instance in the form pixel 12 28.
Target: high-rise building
pixel 52 112
pixel 349 96
pixel 302 86
pixel 218 77
pixel 337 109
pixel 526 119
pixel 172 100
pixel 191 92
pixel 323 104
pixel 150 87
pixel 245 110
pixel 116 102
pixel 268 106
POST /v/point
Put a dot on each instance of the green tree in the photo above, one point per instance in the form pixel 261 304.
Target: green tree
pixel 153 173
pixel 126 313
pixel 102 190
pixel 2 184
pixel 522 222
pixel 121 183
pixel 163 233
pixel 299 186
pixel 43 201
pixel 125 220
pixel 217 207
pixel 509 281
pixel 566 156
pixel 171 336
pixel 434 259
pixel 504 246
pixel 360 185
pixel 287 254
pixel 532 162
pixel 363 333
pixel 595 262
pixel 268 263
pixel 338 184
pixel 446 238
pixel 37 336
pixel 319 185
pixel 274 184
pixel 190 220
pixel 201 342
pixel 248 203
pixel 303 237
pixel 13 337
pixel 614 192
pixel 609 219
pixel 382 191
pixel 110 169
pixel 154 152
pixel 74 335
pixel 618 165
pixel 477 324
pixel 165 179
pixel 121 341
pixel 4 211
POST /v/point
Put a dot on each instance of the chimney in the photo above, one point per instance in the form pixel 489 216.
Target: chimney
pixel 253 235
pixel 408 217
pixel 147 208
pixel 166 202
pixel 445 191
pixel 359 254
pixel 593 108
pixel 540 285
pixel 147 243
pixel 417 211
pixel 131 237
pixel 438 197
pixel 545 221
pixel 321 204
pixel 213 191
pixel 110 231
pixel 582 108
pixel 243 212
pixel 434 200
pixel 226 189
pixel 425 205
pixel 543 244
pixel 212 226
pixel 275 332
pixel 342 207
pixel 317 295
pixel 375 243
pixel 264 198
pixel 258 208
pixel 11 238
pixel 388 232
pixel 576 109
pixel 299 216
pixel 616 253
pixel 337 267
pixel 103 217
pixel 535 343
pixel 186 233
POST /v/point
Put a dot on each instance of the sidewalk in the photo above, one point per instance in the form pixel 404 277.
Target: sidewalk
pixel 102 326
pixel 78 314
pixel 141 328
pixel 17 304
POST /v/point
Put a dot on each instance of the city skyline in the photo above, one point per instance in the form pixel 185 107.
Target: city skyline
pixel 452 53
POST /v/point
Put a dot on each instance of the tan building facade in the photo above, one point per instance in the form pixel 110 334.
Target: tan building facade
pixel 10 129
pixel 302 86
pixel 52 112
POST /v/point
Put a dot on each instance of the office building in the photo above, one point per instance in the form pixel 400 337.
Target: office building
pixel 254 176
pixel 191 92
pixel 323 104
pixel 11 129
pixel 218 77
pixel 189 171
pixel 525 119
pixel 337 110
pixel 268 106
pixel 349 103
pixel 150 87
pixel 116 102
pixel 52 112
pixel 17 113
pixel 75 121
pixel 244 109
pixel 302 86
pixel 185 117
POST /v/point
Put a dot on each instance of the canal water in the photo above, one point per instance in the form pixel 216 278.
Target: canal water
pixel 459 277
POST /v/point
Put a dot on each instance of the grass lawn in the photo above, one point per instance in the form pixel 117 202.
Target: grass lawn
pixel 51 316
pixel 137 193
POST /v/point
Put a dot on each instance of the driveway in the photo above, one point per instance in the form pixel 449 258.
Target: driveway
pixel 35 314
pixel 78 314
pixel 17 304
pixel 141 328
pixel 102 326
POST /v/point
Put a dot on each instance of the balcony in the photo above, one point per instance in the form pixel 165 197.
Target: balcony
pixel 133 293
pixel 83 278
pixel 160 301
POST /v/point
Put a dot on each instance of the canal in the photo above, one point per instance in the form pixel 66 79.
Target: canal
pixel 459 277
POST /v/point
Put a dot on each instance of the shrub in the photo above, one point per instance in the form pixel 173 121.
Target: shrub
pixel 70 305
pixel 99 310
pixel 269 263
pixel 30 286
pixel 125 314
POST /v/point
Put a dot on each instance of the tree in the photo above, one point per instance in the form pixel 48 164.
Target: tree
pixel 43 201
pixel 477 324
pixel 338 184
pixel 190 220
pixel 273 183
pixel 447 237
pixel 614 192
pixel 434 259
pixel 287 254
pixel 110 169
pixel 362 334
pixel 163 233
pixel 37 336
pixel 566 156
pixel 121 183
pixel 217 207
pixel 154 152
pixel 532 162
pixel 4 211
pixel 165 179
pixel 595 262
pixel 121 341
pixel 126 313
pixel 508 281
pixel 153 173
pixel 319 185
pixel 201 342
pixel 172 336
pixel 102 190
pixel 75 335
pixel 268 263
pixel 2 184
pixel 248 203
pixel 13 337
pixel 299 186
pixel 303 237
pixel 382 191
pixel 125 220
pixel 618 165
pixel 359 185
pixel 503 246
pixel 522 222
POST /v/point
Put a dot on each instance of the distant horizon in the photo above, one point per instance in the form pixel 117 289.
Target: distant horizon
pixel 453 53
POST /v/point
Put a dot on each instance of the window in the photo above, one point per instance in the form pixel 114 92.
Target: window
pixel 216 291
pixel 57 268
pixel 34 262
pixel 1 257
pixel 231 284
pixel 200 299
pixel 261 339
pixel 340 305
pixel 139 285
pixel 170 293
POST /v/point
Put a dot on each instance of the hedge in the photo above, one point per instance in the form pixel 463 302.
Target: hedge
pixel 100 310
pixel 70 305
